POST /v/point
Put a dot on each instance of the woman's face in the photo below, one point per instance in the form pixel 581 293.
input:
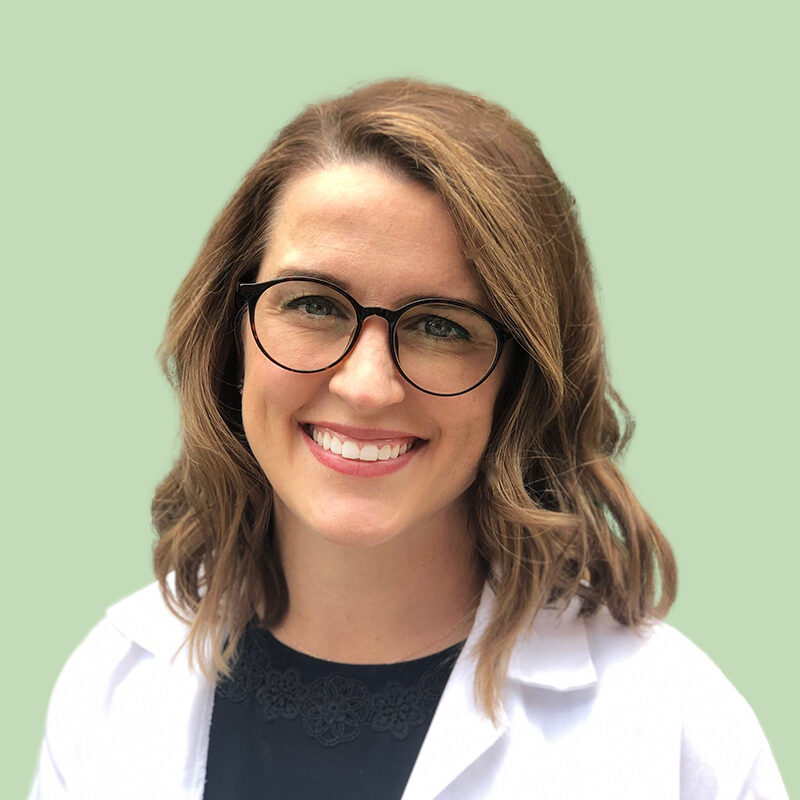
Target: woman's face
pixel 386 241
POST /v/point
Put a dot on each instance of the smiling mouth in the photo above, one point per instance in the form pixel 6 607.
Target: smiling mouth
pixel 346 447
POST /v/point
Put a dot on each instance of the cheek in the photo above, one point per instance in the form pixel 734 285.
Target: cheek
pixel 272 398
pixel 476 413
pixel 265 401
pixel 467 431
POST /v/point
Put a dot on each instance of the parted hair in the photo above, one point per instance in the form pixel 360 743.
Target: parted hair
pixel 551 514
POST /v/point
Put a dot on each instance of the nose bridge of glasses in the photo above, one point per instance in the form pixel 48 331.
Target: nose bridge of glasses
pixel 377 311
pixel 364 313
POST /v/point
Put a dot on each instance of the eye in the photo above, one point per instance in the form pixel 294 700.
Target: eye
pixel 442 328
pixel 314 305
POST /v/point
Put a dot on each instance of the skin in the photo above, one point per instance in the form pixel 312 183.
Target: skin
pixel 378 568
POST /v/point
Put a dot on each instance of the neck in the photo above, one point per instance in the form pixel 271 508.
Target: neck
pixel 408 597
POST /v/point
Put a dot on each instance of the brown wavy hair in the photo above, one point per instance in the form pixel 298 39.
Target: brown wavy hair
pixel 551 514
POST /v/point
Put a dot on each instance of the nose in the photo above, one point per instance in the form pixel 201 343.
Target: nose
pixel 368 379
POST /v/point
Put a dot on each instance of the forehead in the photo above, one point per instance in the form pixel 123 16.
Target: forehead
pixel 384 238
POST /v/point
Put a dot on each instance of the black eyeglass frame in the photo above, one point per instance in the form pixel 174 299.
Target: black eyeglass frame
pixel 252 291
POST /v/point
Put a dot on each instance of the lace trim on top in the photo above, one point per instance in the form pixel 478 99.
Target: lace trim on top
pixel 335 707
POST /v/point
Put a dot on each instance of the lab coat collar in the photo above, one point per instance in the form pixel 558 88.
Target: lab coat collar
pixel 554 653
pixel 144 619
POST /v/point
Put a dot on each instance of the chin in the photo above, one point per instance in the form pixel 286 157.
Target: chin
pixel 360 534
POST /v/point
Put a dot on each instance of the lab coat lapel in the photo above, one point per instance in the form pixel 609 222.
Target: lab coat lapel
pixel 460 732
pixel 553 655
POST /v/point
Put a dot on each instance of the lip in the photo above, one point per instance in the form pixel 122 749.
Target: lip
pixel 360 469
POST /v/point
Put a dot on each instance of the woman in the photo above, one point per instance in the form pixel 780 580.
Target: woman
pixel 395 556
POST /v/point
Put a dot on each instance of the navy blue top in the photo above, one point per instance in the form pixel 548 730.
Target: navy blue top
pixel 288 725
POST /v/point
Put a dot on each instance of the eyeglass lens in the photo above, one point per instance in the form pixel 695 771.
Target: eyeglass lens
pixel 440 347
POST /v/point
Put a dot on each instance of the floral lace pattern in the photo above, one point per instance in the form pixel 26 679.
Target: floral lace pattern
pixel 333 708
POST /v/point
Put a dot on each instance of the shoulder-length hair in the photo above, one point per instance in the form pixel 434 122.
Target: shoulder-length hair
pixel 551 515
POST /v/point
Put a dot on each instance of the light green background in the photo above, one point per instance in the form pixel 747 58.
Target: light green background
pixel 127 127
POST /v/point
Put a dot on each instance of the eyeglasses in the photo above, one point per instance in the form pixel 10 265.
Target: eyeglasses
pixel 441 347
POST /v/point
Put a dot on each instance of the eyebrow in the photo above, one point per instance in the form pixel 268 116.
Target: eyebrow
pixel 321 274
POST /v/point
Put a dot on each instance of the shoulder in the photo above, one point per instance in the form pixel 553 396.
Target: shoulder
pixel 656 656
pixel 144 619
pixel 614 645
pixel 127 654
pixel 659 671
pixel 564 651
pixel 643 709
pixel 139 627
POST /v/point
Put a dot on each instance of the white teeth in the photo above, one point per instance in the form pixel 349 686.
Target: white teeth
pixel 369 452
pixel 350 450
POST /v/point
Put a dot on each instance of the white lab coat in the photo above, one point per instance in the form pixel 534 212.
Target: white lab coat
pixel 592 710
